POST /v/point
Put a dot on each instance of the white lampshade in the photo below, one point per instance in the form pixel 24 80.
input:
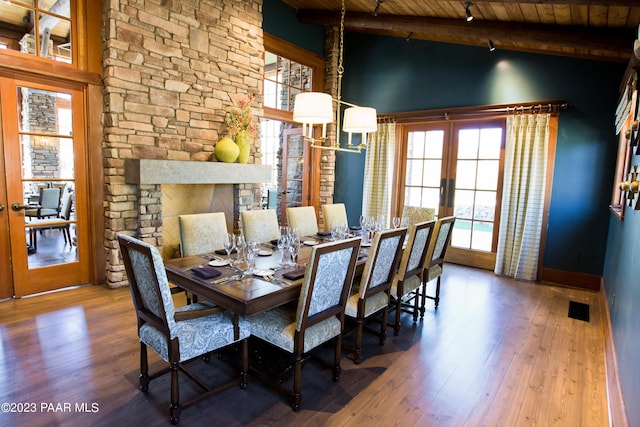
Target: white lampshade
pixel 360 120
pixel 313 108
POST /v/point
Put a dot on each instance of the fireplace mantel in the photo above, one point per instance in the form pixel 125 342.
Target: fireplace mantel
pixel 149 171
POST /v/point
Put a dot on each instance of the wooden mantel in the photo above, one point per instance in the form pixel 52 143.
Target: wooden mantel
pixel 149 171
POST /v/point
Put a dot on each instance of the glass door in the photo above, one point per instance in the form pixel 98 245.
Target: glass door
pixel 43 130
pixel 295 171
pixel 456 169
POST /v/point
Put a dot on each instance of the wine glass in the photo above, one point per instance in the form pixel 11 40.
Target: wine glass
pixel 229 244
pixel 396 221
pixel 295 249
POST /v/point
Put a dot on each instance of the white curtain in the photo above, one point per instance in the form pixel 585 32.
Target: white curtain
pixel 378 172
pixel 523 196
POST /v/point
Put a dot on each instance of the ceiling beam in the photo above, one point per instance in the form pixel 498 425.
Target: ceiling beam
pixel 443 29
pixel 625 3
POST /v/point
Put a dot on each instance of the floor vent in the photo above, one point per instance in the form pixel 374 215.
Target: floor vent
pixel 578 310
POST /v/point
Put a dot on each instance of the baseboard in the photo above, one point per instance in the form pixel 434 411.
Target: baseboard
pixel 570 278
pixel 617 408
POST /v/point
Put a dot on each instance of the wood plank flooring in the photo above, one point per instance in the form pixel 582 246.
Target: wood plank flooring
pixel 497 352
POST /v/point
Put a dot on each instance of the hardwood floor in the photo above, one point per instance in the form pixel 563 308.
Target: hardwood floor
pixel 496 353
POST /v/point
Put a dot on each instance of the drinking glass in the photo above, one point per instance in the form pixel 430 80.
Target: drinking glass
pixel 396 221
pixel 283 247
pixel 295 250
pixel 240 247
pixel 229 244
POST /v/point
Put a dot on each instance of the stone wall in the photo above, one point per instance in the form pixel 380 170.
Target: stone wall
pixel 172 69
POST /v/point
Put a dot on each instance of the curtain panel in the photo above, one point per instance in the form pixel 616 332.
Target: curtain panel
pixel 523 197
pixel 378 172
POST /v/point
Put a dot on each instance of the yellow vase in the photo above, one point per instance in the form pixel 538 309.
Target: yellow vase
pixel 226 150
pixel 243 139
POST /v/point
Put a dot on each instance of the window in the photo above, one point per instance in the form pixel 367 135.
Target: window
pixel 283 80
pixel 48 36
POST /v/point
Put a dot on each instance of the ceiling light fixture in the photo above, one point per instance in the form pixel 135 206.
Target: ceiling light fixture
pixel 316 108
pixel 491 46
pixel 467 11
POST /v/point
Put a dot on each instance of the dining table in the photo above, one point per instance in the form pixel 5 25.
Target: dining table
pixel 270 285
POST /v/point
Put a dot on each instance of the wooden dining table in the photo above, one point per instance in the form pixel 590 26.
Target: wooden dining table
pixel 242 294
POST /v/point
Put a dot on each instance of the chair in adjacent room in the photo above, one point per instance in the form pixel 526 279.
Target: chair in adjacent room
pixel 318 316
pixel 371 297
pixel 435 259
pixel 202 233
pixel 63 223
pixel 177 335
pixel 260 225
pixel 48 204
pixel 405 290
pixel 334 214
pixel 304 219
pixel 416 214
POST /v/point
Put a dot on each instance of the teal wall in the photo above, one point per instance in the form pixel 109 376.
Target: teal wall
pixel 280 20
pixel 394 75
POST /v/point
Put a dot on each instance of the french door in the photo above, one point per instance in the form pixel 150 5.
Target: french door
pixel 297 173
pixel 456 168
pixel 43 146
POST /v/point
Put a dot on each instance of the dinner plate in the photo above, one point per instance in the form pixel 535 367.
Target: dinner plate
pixel 310 242
pixel 219 262
pixel 263 273
pixel 265 252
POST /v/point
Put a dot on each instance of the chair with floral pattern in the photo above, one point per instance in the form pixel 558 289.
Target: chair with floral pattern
pixel 405 290
pixel 435 259
pixel 318 316
pixel 416 214
pixel 334 213
pixel 177 335
pixel 304 219
pixel 372 296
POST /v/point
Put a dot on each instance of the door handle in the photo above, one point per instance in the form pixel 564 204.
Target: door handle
pixel 443 190
pixel 1 207
pixel 452 190
pixel 17 207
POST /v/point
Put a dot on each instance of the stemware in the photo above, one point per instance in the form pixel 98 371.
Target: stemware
pixel 294 247
pixel 396 221
pixel 229 244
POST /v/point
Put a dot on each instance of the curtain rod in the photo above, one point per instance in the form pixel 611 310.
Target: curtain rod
pixel 496 110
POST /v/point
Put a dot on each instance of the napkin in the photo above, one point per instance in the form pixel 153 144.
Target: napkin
pixel 324 233
pixel 223 252
pixel 294 274
pixel 206 272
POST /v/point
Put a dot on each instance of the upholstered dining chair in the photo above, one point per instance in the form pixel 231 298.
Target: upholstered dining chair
pixel 260 225
pixel 416 214
pixel 202 233
pixel 405 290
pixel 435 259
pixel 372 296
pixel 318 316
pixel 334 213
pixel 177 335
pixel 304 219
pixel 48 204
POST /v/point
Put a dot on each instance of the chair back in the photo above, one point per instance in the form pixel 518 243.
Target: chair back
pixel 416 249
pixel 416 214
pixel 148 285
pixel 327 282
pixel 67 204
pixel 202 233
pixel 334 212
pixel 260 225
pixel 50 198
pixel 440 243
pixel 382 262
pixel 304 219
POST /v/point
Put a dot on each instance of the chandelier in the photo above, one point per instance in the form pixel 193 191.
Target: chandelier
pixel 316 108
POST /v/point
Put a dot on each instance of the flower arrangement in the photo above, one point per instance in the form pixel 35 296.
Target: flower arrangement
pixel 241 119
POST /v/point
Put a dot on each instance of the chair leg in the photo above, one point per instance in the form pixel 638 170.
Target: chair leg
pixel 396 326
pixel 297 380
pixel 383 326
pixel 437 297
pixel 144 369
pixel 336 358
pixel 424 299
pixel 174 410
pixel 416 304
pixel 357 351
pixel 244 377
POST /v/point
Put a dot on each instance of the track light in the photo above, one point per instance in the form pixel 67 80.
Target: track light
pixel 377 9
pixel 467 11
pixel 409 37
pixel 491 46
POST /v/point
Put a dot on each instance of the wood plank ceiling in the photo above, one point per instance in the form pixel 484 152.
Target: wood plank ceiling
pixel 592 29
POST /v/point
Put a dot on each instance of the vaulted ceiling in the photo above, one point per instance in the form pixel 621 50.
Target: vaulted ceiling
pixel 591 29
